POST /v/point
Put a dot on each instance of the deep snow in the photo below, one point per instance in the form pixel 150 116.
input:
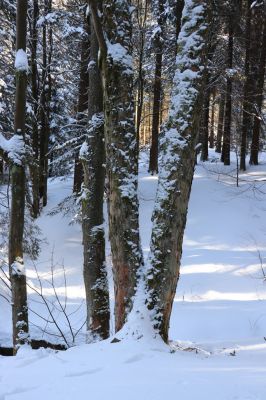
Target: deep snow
pixel 219 313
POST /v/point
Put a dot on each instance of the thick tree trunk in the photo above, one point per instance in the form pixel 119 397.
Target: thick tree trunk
pixel 82 102
pixel 121 150
pixel 157 87
pixel 17 171
pixel 93 159
pixel 259 96
pixel 178 143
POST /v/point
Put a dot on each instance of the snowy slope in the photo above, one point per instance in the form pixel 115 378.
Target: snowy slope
pixel 219 314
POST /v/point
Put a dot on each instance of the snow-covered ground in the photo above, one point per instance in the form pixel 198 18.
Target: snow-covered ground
pixel 218 322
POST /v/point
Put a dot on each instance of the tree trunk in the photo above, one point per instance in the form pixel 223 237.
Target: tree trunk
pixel 228 99
pixel 220 128
pixel 259 95
pixel 34 167
pixel 205 123
pixel 141 80
pixel 121 149
pixel 45 108
pixel 157 87
pixel 17 171
pixel 179 5
pixel 82 102
pixel 178 143
pixel 93 159
pixel 212 120
pixel 247 95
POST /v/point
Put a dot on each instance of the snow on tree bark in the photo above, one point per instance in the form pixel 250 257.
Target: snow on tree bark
pixel 121 149
pixel 34 167
pixel 177 146
pixel 93 158
pixel 17 172
pixel 82 100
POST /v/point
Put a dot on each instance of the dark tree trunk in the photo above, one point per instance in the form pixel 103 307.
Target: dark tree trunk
pixel 247 95
pixel 157 87
pixel 45 107
pixel 82 102
pixel 93 159
pixel 121 150
pixel 34 167
pixel 178 17
pixel 205 124
pixel 17 171
pixel 212 107
pixel 259 95
pixel 220 127
pixel 228 98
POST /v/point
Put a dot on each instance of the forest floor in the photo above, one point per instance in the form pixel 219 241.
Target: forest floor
pixel 218 324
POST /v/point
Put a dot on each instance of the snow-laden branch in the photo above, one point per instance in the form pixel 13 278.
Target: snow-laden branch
pixel 13 149
pixel 21 61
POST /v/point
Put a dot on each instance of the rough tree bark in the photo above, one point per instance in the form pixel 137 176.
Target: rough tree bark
pixel 93 158
pixel 17 171
pixel 121 149
pixel 179 5
pixel 179 139
pixel 82 101
pixel 34 167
